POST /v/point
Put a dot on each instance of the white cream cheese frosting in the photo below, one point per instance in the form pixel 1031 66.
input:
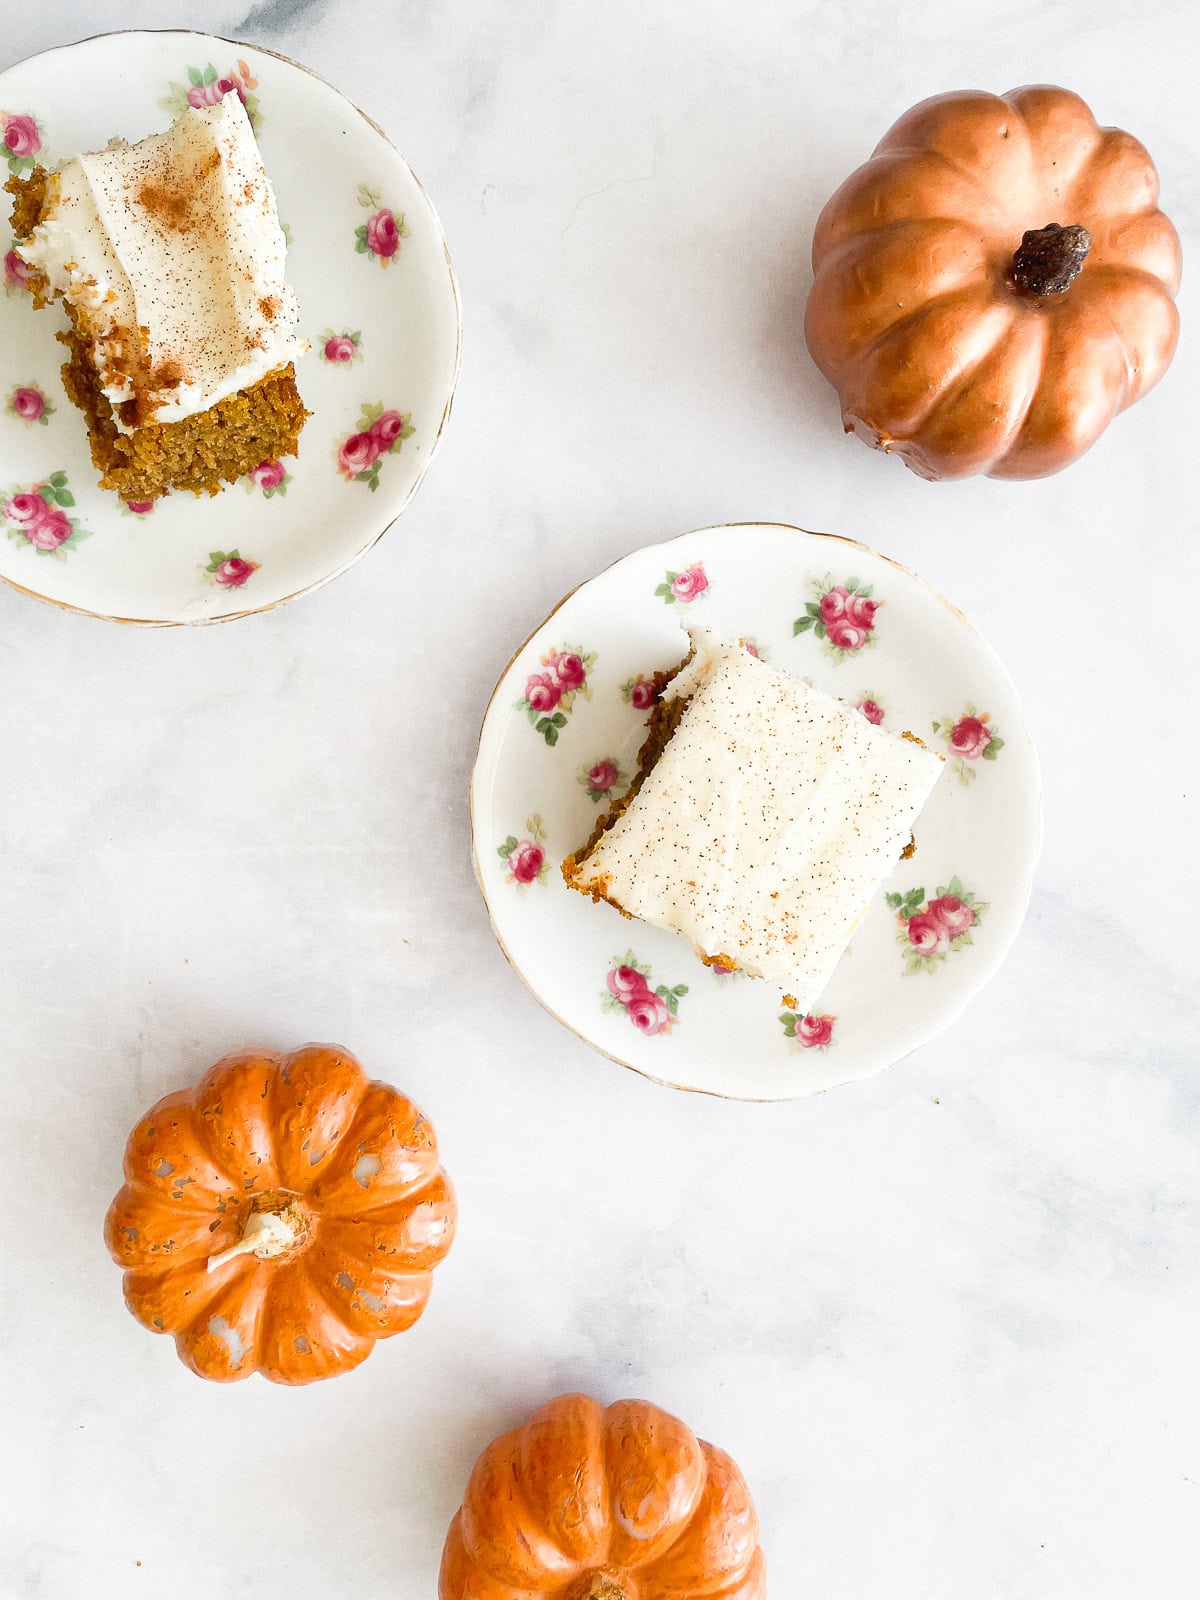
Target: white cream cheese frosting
pixel 767 824
pixel 171 253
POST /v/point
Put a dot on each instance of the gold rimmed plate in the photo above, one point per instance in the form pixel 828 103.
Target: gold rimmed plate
pixel 379 307
pixel 561 736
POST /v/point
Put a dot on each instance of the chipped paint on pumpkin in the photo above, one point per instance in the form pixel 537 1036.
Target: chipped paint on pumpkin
pixel 366 1167
pixel 221 1329
pixel 381 1213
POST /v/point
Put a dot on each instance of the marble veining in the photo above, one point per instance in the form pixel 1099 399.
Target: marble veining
pixel 945 1319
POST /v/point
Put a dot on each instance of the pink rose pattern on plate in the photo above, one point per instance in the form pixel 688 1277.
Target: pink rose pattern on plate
pixel 627 988
pixel 137 508
pixel 753 648
pixel 525 859
pixel 229 570
pixel 20 141
pixel 269 477
pixel 37 516
pixel 841 615
pixel 205 86
pixel 550 694
pixel 969 739
pixel 810 1032
pixel 380 235
pixel 639 692
pixel 16 273
pixel 29 404
pixel 927 931
pixel 380 433
pixel 602 777
pixel 871 709
pixel 685 586
pixel 340 349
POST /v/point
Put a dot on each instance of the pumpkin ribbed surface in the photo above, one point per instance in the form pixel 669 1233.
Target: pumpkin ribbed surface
pixel 945 346
pixel 281 1216
pixel 588 1503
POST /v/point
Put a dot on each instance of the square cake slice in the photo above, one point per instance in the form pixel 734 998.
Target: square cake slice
pixel 169 259
pixel 762 821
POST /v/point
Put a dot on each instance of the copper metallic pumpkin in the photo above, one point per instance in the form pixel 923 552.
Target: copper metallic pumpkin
pixel 994 285
pixel 589 1503
pixel 281 1216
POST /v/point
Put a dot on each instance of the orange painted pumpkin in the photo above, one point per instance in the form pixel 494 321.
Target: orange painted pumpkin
pixel 994 285
pixel 281 1216
pixel 584 1503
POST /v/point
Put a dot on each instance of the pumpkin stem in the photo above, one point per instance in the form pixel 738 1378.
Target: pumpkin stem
pixel 599 1586
pixel 266 1233
pixel 1049 259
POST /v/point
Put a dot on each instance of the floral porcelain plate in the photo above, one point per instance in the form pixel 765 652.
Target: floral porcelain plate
pixel 379 307
pixel 561 736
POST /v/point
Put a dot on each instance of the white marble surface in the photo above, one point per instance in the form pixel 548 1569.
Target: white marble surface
pixel 946 1320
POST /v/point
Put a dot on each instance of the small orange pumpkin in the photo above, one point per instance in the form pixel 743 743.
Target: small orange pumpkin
pixel 584 1503
pixel 281 1216
pixel 994 285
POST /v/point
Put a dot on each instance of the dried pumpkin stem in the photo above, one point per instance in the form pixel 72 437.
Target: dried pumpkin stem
pixel 1049 259
pixel 266 1233
pixel 598 1586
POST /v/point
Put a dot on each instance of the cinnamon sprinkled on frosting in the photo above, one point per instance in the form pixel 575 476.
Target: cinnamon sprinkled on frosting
pixel 767 824
pixel 171 257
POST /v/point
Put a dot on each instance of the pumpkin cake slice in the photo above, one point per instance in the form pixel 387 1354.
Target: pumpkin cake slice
pixel 169 259
pixel 762 820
